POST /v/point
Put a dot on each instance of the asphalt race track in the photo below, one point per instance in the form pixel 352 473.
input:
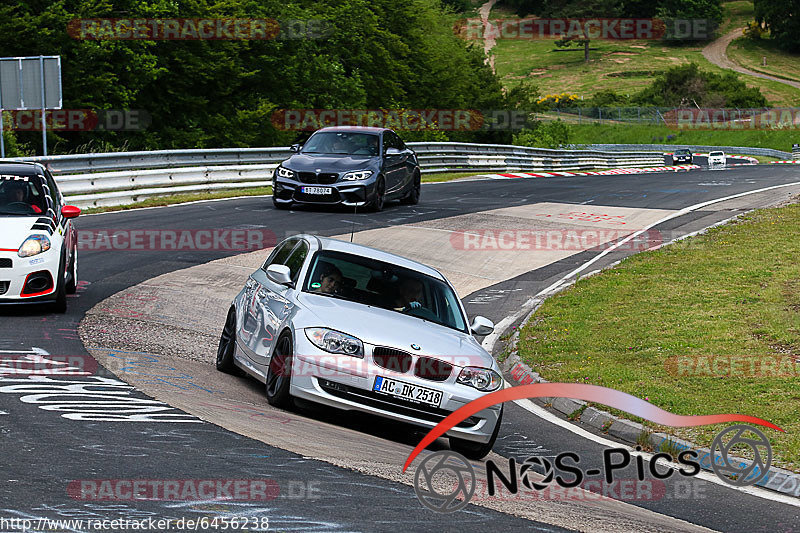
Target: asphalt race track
pixel 46 455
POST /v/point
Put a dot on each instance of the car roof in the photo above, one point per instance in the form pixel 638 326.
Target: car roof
pixel 22 168
pixel 353 129
pixel 336 245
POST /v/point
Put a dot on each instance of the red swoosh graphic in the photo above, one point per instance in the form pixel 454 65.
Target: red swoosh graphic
pixel 579 391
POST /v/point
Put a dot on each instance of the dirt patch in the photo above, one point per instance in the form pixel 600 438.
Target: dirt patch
pixel 623 54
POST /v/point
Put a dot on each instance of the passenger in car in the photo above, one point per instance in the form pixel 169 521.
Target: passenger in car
pixel 329 280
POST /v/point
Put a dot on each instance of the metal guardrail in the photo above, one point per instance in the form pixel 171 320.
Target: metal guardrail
pixel 745 150
pixel 796 153
pixel 93 180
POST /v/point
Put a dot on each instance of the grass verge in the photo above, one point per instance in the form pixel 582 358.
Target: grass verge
pixel 159 201
pixel 634 134
pixel 733 292
pixel 749 54
pixel 449 176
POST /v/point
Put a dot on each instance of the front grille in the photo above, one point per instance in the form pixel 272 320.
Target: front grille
pixel 323 178
pixel 4 286
pixel 6 263
pixel 432 369
pixel 318 198
pixel 391 359
pixel 393 405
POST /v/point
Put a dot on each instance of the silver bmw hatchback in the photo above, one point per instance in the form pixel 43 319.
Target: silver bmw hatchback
pixel 357 328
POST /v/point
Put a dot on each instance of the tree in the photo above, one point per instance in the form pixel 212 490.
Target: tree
pixel 782 19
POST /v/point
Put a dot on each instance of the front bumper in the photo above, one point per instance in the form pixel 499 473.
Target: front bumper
pixel 346 383
pixel 13 279
pixel 349 193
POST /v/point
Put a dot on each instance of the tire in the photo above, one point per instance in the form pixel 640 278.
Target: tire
pixel 279 373
pixel 60 305
pixel 72 284
pixel 376 204
pixel 412 198
pixel 282 207
pixel 476 450
pixel 227 345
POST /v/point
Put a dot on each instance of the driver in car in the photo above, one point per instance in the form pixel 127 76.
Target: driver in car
pixel 409 295
pixel 17 193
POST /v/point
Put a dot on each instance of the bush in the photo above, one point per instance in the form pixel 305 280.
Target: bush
pixel 544 135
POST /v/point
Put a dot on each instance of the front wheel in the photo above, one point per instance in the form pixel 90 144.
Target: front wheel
pixel 227 344
pixel 279 373
pixel 413 195
pixel 378 198
pixel 60 305
pixel 476 450
pixel 72 284
pixel 281 206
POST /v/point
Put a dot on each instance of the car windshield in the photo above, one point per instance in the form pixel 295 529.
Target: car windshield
pixel 21 196
pixel 681 152
pixel 716 154
pixel 344 143
pixel 376 283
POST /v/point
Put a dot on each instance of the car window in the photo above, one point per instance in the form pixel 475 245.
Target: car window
pixel 280 254
pixel 296 259
pixel 55 195
pixel 376 283
pixel 717 153
pixel 22 195
pixel 342 142
pixel 391 140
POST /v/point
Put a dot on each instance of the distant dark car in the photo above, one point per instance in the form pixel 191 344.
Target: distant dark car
pixel 683 155
pixel 351 166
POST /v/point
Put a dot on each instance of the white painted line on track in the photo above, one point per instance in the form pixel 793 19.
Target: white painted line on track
pixel 490 340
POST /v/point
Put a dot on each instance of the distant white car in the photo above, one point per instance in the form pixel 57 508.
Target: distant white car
pixel 716 159
pixel 38 241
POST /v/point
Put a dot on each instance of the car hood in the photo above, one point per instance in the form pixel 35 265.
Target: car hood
pixel 16 230
pixel 329 163
pixel 383 327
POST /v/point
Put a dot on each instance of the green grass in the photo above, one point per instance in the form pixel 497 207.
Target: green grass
pixel 749 53
pixel 736 15
pixel 449 176
pixel 158 201
pixel 642 134
pixel 734 291
pixel 624 67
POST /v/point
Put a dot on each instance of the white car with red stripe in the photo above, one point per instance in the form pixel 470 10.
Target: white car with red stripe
pixel 38 241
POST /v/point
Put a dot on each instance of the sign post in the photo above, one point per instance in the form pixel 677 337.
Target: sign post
pixel 30 83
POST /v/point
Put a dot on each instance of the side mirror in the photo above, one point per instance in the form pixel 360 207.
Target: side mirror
pixel 481 326
pixel 280 274
pixel 392 151
pixel 294 148
pixel 70 211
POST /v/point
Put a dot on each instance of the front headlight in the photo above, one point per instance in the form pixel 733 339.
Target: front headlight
pixel 284 173
pixel 335 341
pixel 357 175
pixel 483 379
pixel 34 245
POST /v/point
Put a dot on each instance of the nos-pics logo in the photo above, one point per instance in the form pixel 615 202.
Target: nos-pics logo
pixel 445 481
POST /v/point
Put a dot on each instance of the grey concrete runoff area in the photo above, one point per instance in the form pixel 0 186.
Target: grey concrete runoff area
pixel 151 318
